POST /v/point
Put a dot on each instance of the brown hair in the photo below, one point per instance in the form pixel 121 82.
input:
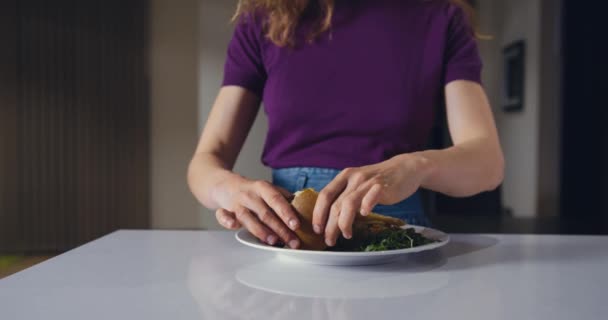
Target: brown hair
pixel 282 16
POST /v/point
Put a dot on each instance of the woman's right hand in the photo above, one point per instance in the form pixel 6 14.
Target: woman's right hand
pixel 260 207
pixel 257 205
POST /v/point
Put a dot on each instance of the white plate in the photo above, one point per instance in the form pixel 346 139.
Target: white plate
pixel 346 258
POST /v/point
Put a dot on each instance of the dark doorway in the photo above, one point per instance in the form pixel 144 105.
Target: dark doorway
pixel 584 189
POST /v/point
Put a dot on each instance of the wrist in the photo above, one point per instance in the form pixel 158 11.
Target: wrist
pixel 428 167
pixel 420 163
pixel 225 183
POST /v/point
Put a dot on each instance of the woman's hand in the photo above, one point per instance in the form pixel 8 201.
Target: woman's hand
pixel 257 205
pixel 359 190
pixel 260 207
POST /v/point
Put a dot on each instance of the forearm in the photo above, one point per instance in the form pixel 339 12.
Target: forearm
pixel 225 132
pixel 465 169
pixel 206 174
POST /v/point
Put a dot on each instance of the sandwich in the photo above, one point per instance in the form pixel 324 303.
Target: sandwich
pixel 373 232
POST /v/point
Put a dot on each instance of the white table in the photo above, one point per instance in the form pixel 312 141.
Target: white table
pixel 209 275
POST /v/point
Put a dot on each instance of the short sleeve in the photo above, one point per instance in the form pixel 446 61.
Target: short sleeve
pixel 244 65
pixel 462 60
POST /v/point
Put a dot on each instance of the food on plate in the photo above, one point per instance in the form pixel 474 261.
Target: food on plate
pixel 304 203
pixel 373 232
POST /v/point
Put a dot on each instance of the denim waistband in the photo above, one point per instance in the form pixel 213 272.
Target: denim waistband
pixel 309 170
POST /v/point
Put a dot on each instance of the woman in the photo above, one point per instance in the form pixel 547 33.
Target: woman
pixel 349 88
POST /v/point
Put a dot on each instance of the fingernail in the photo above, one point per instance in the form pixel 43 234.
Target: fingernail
pixel 271 239
pixel 364 213
pixel 316 228
pixel 293 224
pixel 294 244
pixel 347 235
pixel 329 242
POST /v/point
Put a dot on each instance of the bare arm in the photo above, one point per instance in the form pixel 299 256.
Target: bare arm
pixel 473 164
pixel 225 131
pixel 257 205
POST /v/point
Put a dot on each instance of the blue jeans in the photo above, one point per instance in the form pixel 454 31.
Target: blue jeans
pixel 298 178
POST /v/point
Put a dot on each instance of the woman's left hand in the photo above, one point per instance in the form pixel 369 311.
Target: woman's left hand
pixel 358 190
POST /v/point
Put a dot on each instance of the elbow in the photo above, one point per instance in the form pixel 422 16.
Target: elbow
pixel 487 178
pixel 495 173
pixel 190 177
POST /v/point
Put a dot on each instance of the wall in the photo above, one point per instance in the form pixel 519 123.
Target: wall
pixel 174 35
pixel 519 131
pixel 216 31
pixel 529 138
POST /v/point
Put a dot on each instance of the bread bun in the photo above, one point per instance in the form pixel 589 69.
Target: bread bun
pixel 304 203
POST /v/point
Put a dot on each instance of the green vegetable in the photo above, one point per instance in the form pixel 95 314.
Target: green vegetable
pixel 393 239
pixel 369 238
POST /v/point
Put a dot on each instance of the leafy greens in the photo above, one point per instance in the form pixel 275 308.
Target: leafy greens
pixel 393 239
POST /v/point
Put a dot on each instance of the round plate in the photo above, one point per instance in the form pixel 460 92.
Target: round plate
pixel 345 258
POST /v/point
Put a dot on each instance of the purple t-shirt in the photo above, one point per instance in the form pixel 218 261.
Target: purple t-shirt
pixel 362 93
